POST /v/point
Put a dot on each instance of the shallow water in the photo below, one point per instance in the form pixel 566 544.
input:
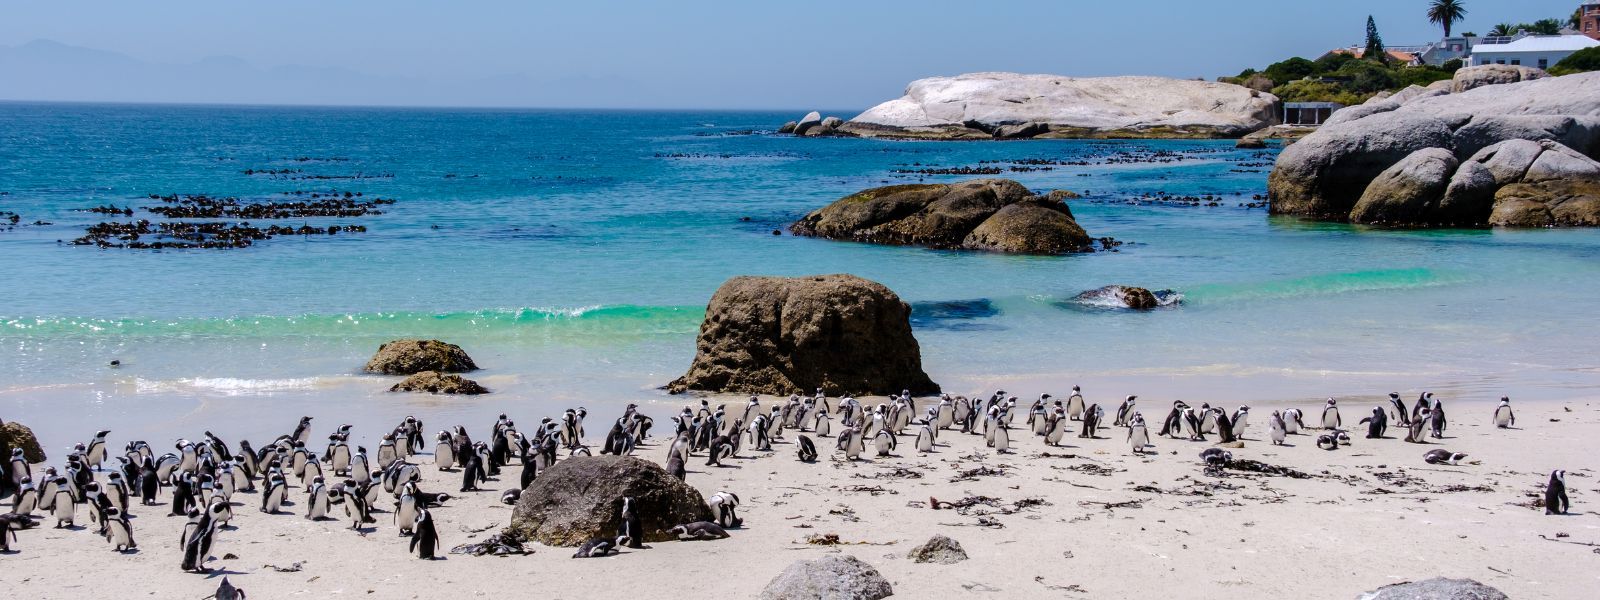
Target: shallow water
pixel 572 254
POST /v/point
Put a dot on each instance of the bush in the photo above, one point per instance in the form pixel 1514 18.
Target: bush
pixel 1307 90
pixel 1587 59
pixel 1290 70
pixel 1423 75
pixel 1453 65
pixel 1368 77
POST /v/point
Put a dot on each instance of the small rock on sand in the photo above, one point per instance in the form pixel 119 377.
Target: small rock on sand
pixel 835 577
pixel 938 549
pixel 1437 588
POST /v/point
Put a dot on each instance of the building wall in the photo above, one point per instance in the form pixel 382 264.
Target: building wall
pixel 1542 60
pixel 1590 24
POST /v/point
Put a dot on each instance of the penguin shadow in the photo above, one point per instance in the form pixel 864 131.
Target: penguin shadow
pixel 128 551
pixel 73 527
pixel 366 530
pixel 216 572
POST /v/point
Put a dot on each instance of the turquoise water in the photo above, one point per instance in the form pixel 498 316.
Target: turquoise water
pixel 572 253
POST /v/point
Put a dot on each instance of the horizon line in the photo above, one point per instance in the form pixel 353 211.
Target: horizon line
pixel 201 104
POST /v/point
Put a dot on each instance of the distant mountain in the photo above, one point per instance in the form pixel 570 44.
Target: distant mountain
pixel 49 70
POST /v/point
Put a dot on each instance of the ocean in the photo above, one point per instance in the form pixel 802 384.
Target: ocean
pixel 572 253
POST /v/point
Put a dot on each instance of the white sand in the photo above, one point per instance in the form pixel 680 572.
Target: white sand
pixel 1202 537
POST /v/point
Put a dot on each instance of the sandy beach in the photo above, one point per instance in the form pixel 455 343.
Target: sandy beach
pixel 1088 519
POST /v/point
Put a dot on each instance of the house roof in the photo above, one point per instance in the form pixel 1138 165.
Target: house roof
pixel 1542 43
pixel 1359 52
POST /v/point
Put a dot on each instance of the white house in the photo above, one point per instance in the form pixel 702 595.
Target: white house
pixel 1542 51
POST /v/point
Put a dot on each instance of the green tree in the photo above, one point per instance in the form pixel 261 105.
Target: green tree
pixel 1587 59
pixel 1544 27
pixel 1503 29
pixel 1576 19
pixel 1446 13
pixel 1293 69
pixel 1374 50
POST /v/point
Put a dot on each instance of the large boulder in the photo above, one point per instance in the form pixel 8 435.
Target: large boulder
pixel 812 119
pixel 17 435
pixel 1547 204
pixel 950 216
pixel 1437 588
pixel 1408 192
pixel 409 357
pixel 580 498
pixel 777 335
pixel 1467 78
pixel 434 382
pixel 1324 175
pixel 976 105
pixel 832 577
pixel 939 549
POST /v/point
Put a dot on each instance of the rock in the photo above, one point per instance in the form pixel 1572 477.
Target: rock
pixel 1468 197
pixel 1121 296
pixel 1326 173
pixel 1467 78
pixel 1032 226
pixel 832 123
pixel 832 577
pixel 789 127
pixel 580 498
pixel 1437 588
pixel 948 216
pixel 975 104
pixel 1547 204
pixel 1234 445
pixel 776 335
pixel 938 549
pixel 812 119
pixel 1408 192
pixel 1508 161
pixel 828 126
pixel 17 435
pixel 434 382
pixel 1251 143
pixel 1020 131
pixel 409 357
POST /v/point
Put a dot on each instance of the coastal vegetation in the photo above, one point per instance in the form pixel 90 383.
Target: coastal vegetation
pixel 1582 61
pixel 1339 77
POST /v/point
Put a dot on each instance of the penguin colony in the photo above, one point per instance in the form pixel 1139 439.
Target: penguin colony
pixel 202 478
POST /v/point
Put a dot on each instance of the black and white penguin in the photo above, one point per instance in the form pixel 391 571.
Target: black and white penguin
pixel 63 506
pixel 426 537
pixel 808 450
pixel 1138 433
pixel 302 432
pixel 1293 421
pixel 407 509
pixel 1216 457
pixel 699 530
pixel 599 547
pixel 1059 423
pixel 1224 425
pixel 1075 404
pixel 847 442
pixel 1002 437
pixel 1555 494
pixel 273 495
pixel 227 591
pixel 1328 441
pixel 1091 420
pixel 317 500
pixel 1424 401
pixel 884 442
pixel 1241 420
pixel 199 535
pixel 925 436
pixel 95 453
pixel 26 500
pixel 118 531
pixel 1401 417
pixel 1330 415
pixel 1124 411
pixel 725 506
pixel 1503 417
pixel 1191 425
pixel 1376 424
pixel 721 447
pixel 1436 420
pixel 675 466
pixel 1173 423
pixel 629 527
pixel 1416 433
pixel 510 496
pixel 1276 428
pixel 1443 457
pixel 149 483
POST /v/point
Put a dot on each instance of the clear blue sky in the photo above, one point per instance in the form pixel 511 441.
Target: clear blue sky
pixel 689 53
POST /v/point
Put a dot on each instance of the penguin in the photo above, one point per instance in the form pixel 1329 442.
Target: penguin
pixel 1330 415
pixel 276 491
pixel 1328 441
pixel 26 500
pixel 1424 401
pixel 317 500
pixel 302 432
pixel 118 531
pixel 1058 428
pixel 675 466
pixel 63 507
pixel 472 472
pixel 1277 428
pixel 1208 417
pixel 1002 437
pixel 95 454
pixel 1401 416
pixel 808 450
pixel 725 506
pixel 1436 418
pixel 510 496
pixel 699 530
pixel 1216 458
pixel 1138 434
pixel 629 527
pixel 149 483
pixel 1124 411
pixel 1191 425
pixel 884 442
pixel 1503 418
pixel 407 509
pixel 1293 421
pixel 849 442
pixel 1224 424
pixel 1241 419
pixel 387 451
pixel 359 469
pixel 221 512
pixel 1555 494
pixel 226 591
pixel 424 537
pixel 946 413
pixel 1075 406
pixel 599 547
pixel 311 471
pixel 1377 423
pixel 1173 423
pixel 925 438
pixel 1091 420
pixel 1416 432
pixel 721 447
pixel 339 457
pixel 199 534
pixel 1443 457
pixel 822 427
pixel 20 469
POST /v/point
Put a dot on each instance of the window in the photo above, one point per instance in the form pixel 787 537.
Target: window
pixel 1516 61
pixel 1500 62
pixel 1544 63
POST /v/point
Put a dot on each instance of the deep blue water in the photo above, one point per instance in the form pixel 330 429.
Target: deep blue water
pixel 573 252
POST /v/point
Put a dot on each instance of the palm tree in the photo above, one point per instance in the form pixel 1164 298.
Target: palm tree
pixel 1446 13
pixel 1503 29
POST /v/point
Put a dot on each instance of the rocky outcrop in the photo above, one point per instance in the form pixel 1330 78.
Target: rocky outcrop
pixel 409 357
pixel 1467 78
pixel 1123 296
pixel 1406 192
pixel 434 382
pixel 1547 204
pixel 983 214
pixel 1437 588
pixel 833 577
pixel 777 335
pixel 17 435
pixel 938 550
pixel 1008 105
pixel 1327 173
pixel 812 119
pixel 580 498
pixel 814 125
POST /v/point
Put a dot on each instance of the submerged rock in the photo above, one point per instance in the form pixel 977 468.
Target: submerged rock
pixel 410 356
pixel 938 549
pixel 777 335
pixel 1119 296
pixel 969 215
pixel 833 577
pixel 17 435
pixel 435 382
pixel 580 498
pixel 989 105
pixel 1437 588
